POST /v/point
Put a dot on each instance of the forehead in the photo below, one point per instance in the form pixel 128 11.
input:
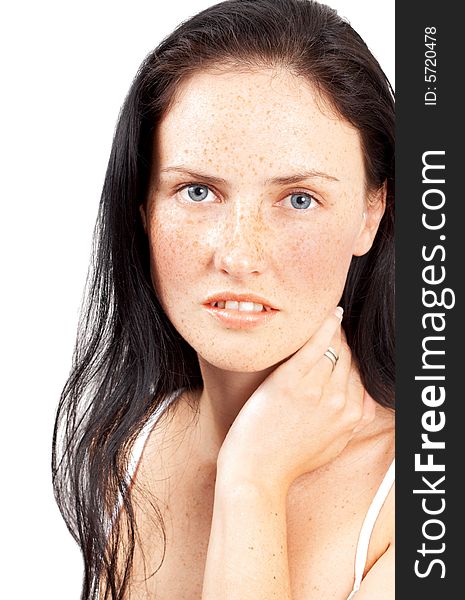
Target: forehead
pixel 241 121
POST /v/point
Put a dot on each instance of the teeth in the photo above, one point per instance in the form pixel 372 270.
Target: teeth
pixel 232 305
pixel 241 306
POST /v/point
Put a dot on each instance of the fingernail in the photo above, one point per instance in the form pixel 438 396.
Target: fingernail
pixel 339 312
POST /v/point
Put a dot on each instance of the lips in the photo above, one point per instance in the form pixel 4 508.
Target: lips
pixel 243 302
pixel 240 306
pixel 240 311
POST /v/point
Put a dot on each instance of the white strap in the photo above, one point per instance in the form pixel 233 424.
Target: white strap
pixel 368 525
pixel 139 444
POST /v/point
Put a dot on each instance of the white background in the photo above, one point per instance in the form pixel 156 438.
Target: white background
pixel 66 67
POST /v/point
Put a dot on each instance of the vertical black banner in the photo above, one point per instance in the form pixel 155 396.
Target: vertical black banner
pixel 430 256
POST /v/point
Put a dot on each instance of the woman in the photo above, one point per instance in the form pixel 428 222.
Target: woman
pixel 223 434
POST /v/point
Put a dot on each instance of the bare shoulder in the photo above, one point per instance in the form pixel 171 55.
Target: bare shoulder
pixel 327 508
pixel 172 497
pixel 377 447
pixel 170 449
pixel 156 498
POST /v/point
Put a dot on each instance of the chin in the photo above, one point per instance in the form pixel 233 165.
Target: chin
pixel 245 362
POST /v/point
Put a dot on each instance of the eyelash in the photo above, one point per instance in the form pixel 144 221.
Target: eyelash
pixel 303 192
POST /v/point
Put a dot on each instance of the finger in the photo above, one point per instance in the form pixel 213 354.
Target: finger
pixel 307 356
pixel 333 351
pixel 339 341
pixel 334 379
pixel 324 367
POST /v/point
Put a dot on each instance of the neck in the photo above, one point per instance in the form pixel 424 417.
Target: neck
pixel 224 394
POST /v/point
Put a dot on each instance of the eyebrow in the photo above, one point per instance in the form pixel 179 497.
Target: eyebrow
pixel 283 180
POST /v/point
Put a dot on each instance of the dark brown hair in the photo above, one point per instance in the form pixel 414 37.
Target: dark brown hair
pixel 128 357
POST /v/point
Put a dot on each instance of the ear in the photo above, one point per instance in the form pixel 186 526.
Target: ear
pixel 143 216
pixel 372 215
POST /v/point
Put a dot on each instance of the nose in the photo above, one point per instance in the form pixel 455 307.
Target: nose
pixel 241 242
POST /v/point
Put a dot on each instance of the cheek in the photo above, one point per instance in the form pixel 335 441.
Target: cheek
pixel 319 262
pixel 176 253
pixel 306 264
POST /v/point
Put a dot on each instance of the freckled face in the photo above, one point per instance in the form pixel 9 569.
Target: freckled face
pixel 234 225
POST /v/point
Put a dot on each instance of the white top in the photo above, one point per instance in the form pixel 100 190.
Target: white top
pixel 368 523
pixel 139 444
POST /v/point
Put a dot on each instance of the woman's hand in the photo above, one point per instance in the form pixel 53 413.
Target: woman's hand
pixel 300 418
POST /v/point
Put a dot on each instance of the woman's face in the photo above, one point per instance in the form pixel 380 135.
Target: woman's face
pixel 257 189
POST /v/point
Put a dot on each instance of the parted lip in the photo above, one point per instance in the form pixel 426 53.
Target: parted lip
pixel 242 297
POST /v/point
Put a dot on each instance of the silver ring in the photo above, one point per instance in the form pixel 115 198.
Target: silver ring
pixel 333 357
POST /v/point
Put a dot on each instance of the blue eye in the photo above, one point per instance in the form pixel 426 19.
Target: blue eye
pixel 301 200
pixel 197 193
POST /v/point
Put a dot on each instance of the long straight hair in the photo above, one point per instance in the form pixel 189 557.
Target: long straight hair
pixel 128 357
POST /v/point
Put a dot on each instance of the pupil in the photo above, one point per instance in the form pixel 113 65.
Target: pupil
pixel 300 201
pixel 197 192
